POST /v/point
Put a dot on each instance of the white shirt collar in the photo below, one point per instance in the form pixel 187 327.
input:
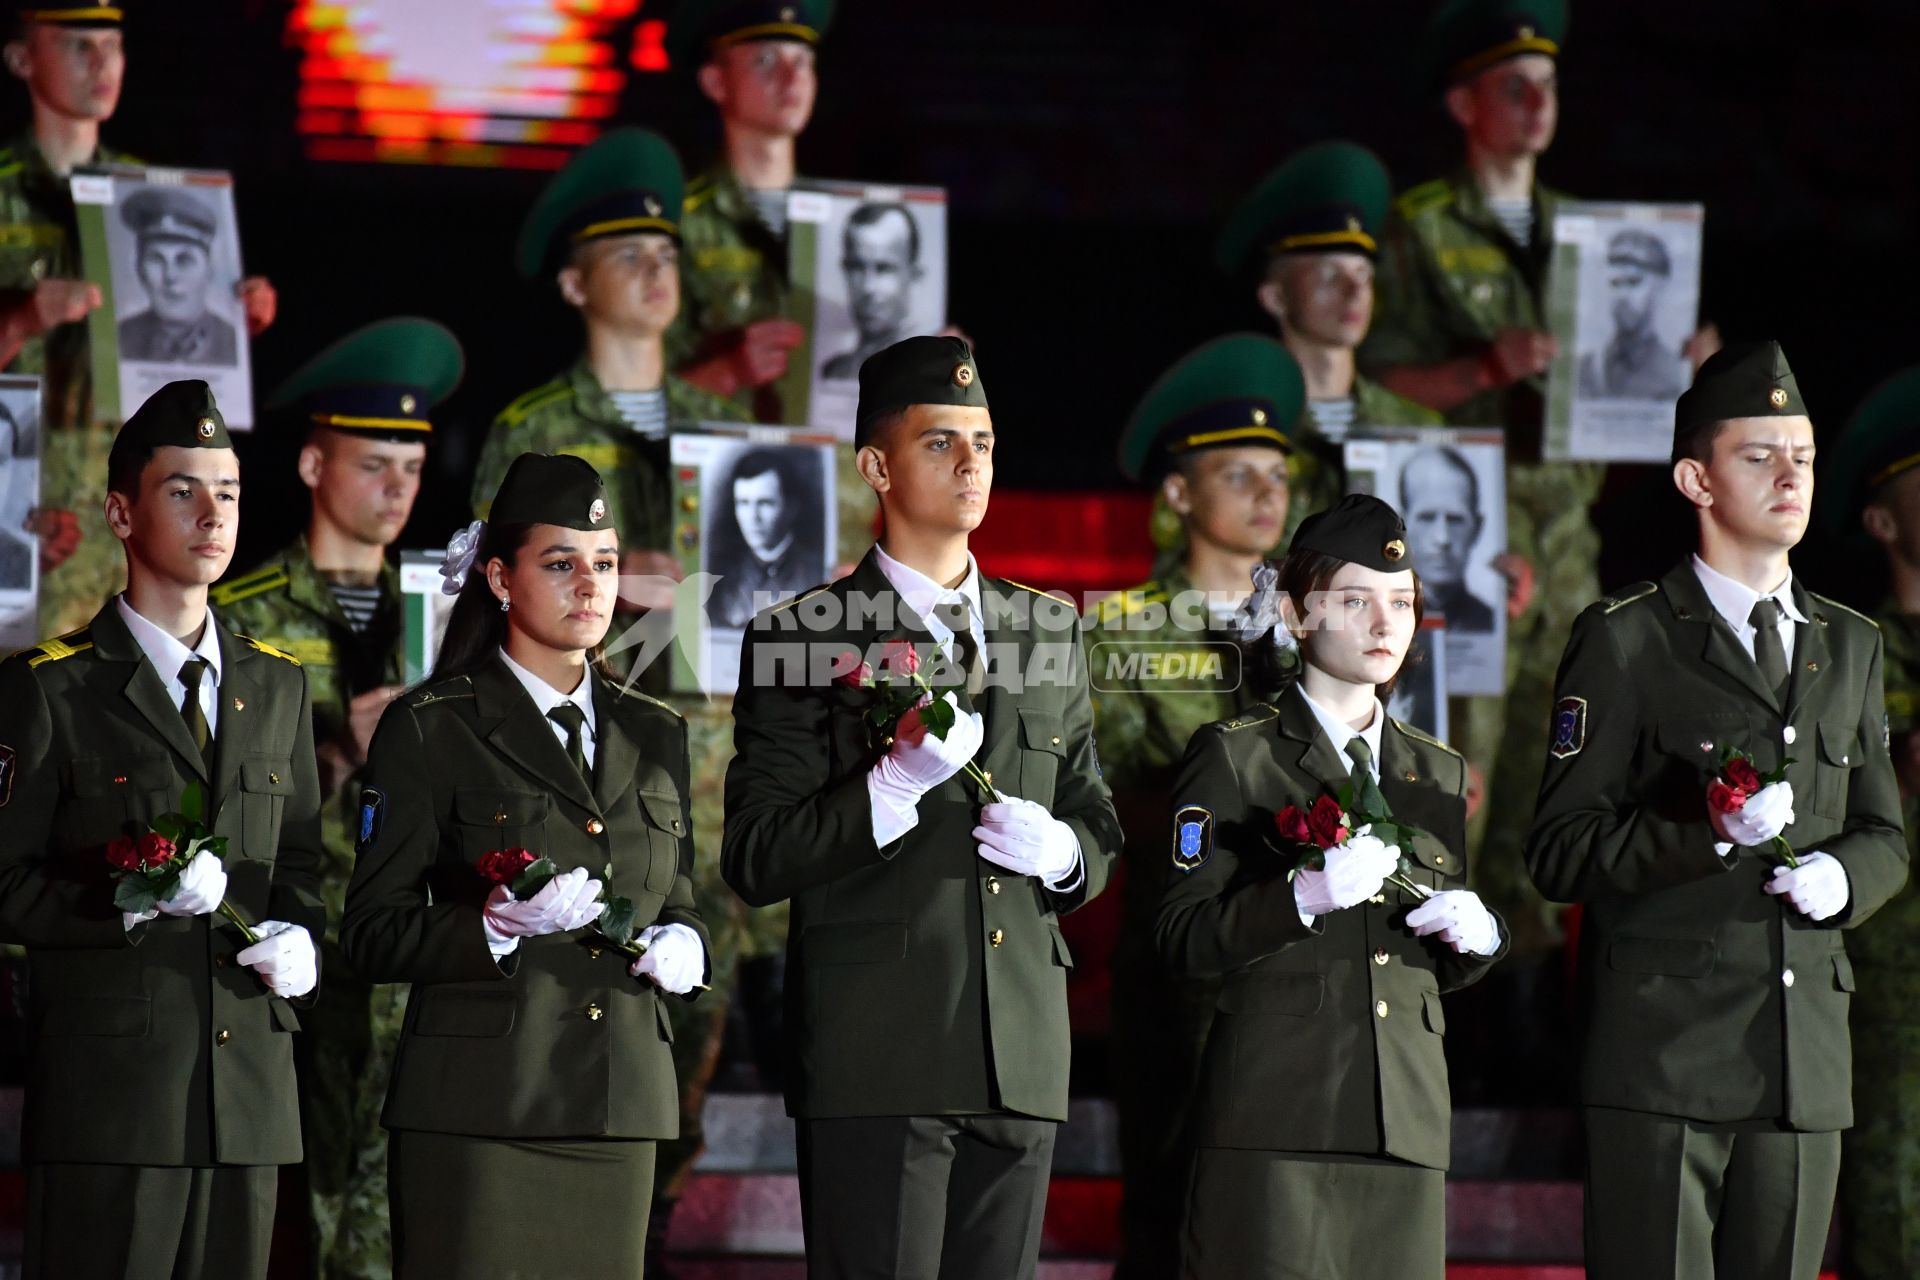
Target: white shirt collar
pixel 1340 733
pixel 921 594
pixel 1734 600
pixel 546 697
pixel 165 652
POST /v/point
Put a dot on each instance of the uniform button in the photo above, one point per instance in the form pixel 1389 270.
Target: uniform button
pixel 594 1013
pixel 1786 979
pixel 1380 1008
pixel 274 778
pixel 1439 859
pixel 224 1036
pixel 1379 899
pixel 239 704
pixel 1788 734
pixel 593 953
pixel 993 885
pixel 1380 955
pixel 997 937
pixel 595 826
pixel 1056 742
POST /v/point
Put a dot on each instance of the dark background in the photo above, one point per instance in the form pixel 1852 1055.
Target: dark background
pixel 1090 150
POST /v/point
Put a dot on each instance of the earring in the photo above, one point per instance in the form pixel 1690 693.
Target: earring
pixel 504 606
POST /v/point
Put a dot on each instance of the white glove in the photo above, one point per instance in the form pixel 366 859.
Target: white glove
pixel 1355 871
pixel 674 958
pixel 1817 888
pixel 284 958
pixel 565 904
pixel 916 764
pixel 1460 918
pixel 200 890
pixel 1767 813
pixel 1022 837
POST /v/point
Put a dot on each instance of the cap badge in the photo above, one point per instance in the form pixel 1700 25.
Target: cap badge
pixel 598 511
pixel 787 15
pixel 1394 549
pixel 1777 397
pixel 206 428
pixel 963 375
pixel 1259 417
pixel 1526 33
pixel 407 402
pixel 1353 223
pixel 653 207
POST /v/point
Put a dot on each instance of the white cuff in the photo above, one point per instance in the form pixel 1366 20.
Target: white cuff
pixel 128 919
pixel 1075 874
pixel 890 822
pixel 1724 848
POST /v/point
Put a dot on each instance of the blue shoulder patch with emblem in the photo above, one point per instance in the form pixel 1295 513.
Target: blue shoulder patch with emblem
pixel 1569 728
pixel 372 807
pixel 1192 837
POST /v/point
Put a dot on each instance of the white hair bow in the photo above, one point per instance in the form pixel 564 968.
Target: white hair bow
pixel 461 549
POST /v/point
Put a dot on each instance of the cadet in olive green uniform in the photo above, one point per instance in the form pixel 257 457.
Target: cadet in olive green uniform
pixel 70 57
pixel 535 1073
pixel 1873 476
pixel 333 601
pixel 1164 660
pixel 162 1091
pixel 926 968
pixel 1322 1119
pixel 1718 1074
pixel 1306 238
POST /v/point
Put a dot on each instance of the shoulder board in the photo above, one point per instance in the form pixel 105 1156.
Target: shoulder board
pixel 622 693
pixel 1638 591
pixel 699 191
pixel 804 595
pixel 538 398
pixel 261 646
pixel 1259 713
pixel 1835 604
pixel 1420 735
pixel 1428 195
pixel 1024 587
pixel 251 584
pixel 60 647
pixel 427 695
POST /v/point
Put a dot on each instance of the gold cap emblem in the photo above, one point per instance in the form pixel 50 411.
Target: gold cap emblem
pixel 1777 397
pixel 206 428
pixel 407 402
pixel 963 375
pixel 1394 549
pixel 1526 33
pixel 1353 223
pixel 653 207
pixel 598 511
pixel 788 15
pixel 1259 417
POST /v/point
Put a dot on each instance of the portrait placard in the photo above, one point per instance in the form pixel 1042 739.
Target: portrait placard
pixel 20 452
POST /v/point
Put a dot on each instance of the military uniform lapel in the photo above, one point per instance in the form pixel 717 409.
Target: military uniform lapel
pixel 145 689
pixel 1317 758
pixel 1714 640
pixel 237 686
pixel 1810 652
pixel 998 705
pixel 615 752
pixel 520 733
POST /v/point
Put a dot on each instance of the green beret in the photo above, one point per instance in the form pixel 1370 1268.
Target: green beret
pixel 155 213
pixel 1634 247
pixel 925 370
pixel 1880 441
pixel 181 414
pixel 701 28
pixel 628 180
pixel 551 488
pixel 378 381
pixel 1242 389
pixel 68 15
pixel 1465 37
pixel 1741 380
pixel 1332 196
pixel 1360 529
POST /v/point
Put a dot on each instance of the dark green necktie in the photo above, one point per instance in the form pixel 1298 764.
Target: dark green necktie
pixel 570 717
pixel 192 672
pixel 966 650
pixel 1768 651
pixel 1365 791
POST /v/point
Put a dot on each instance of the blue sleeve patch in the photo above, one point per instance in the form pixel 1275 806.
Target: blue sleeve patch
pixel 1569 728
pixel 1192 837
pixel 372 807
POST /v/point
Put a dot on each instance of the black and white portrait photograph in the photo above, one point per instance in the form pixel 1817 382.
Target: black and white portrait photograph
pixel 759 531
pixel 172 247
pixel 1624 301
pixel 1450 488
pixel 20 440
pixel 871 262
pixel 1419 696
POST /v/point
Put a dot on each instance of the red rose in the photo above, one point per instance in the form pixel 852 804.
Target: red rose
pixel 1722 798
pixel 1291 824
pixel 900 658
pixel 123 853
pixel 857 678
pixel 1742 776
pixel 503 866
pixel 1325 822
pixel 155 850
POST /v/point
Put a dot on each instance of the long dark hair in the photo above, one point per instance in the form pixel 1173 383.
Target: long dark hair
pixel 1304 573
pixel 477 628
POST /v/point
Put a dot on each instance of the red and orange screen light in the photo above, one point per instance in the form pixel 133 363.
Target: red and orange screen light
pixel 484 83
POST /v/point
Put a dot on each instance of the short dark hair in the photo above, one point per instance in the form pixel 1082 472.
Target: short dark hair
pixel 869 214
pixel 1696 442
pixel 125 465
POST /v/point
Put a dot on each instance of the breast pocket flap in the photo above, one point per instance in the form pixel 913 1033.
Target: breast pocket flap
pixel 1043 731
pixel 663 811
pixel 494 807
pixel 267 777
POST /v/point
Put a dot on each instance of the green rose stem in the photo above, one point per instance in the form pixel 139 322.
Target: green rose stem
pixel 1785 850
pixel 973 770
pixel 246 930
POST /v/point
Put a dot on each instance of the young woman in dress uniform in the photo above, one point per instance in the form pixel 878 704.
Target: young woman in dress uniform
pixel 1323 1113
pixel 534 1074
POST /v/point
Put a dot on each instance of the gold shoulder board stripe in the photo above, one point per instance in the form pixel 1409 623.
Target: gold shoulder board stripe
pixel 1639 591
pixel 1420 735
pixel 804 595
pixel 516 413
pixel 270 651
pixel 1835 604
pixel 1428 195
pixel 1259 713
pixel 63 647
pixel 667 707
pixel 246 588
pixel 1024 587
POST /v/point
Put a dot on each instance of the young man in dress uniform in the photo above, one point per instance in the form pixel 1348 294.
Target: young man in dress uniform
pixel 332 600
pixel 926 969
pixel 162 1091
pixel 1717 1075
pixel 71 59
pixel 1307 238
pixel 1213 434
pixel 1873 478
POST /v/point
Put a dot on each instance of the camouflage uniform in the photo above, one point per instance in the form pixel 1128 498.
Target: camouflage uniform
pixel 1880 1176
pixel 1450 278
pixel 1159 1023
pixel 354 1027
pixel 38 241
pixel 1316 470
pixel 733 272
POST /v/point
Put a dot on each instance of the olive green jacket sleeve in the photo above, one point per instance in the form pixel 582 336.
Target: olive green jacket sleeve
pixel 1872 846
